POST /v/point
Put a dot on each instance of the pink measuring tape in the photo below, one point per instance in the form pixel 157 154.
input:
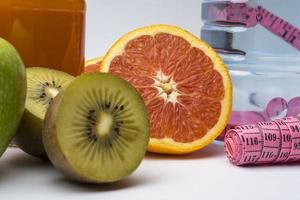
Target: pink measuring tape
pixel 275 108
pixel 242 14
pixel 264 143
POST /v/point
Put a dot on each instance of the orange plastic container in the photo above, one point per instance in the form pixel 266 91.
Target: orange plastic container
pixel 47 33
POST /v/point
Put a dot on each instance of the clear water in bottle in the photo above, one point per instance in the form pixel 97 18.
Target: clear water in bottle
pixel 259 41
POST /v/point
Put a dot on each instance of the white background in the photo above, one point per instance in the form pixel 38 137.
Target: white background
pixel 107 20
pixel 206 174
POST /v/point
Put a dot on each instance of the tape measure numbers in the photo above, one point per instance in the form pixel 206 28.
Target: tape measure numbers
pixel 265 142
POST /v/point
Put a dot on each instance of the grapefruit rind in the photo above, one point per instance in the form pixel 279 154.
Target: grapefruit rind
pixel 168 145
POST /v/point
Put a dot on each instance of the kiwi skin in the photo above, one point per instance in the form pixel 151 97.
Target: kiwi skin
pixel 54 148
pixel 51 143
pixel 31 141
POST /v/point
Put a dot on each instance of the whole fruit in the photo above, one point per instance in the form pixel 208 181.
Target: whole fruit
pixel 12 92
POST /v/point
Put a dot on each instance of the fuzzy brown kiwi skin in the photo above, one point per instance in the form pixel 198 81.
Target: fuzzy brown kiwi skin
pixel 31 141
pixel 51 144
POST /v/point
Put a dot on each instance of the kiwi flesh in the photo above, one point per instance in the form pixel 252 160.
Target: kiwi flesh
pixel 97 129
pixel 43 85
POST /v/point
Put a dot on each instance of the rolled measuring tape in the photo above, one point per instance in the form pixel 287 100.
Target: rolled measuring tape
pixel 264 143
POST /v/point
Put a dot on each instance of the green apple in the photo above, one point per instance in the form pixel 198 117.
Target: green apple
pixel 12 92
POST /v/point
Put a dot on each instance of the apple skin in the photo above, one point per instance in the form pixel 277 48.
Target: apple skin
pixel 12 92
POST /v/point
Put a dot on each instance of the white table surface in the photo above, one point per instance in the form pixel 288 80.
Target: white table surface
pixel 205 174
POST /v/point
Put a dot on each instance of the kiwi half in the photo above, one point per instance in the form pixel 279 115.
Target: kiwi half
pixel 97 129
pixel 43 85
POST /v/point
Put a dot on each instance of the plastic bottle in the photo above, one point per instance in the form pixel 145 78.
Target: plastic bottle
pixel 259 41
pixel 46 33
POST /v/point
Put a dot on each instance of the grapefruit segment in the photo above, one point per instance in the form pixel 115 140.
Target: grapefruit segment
pixel 184 83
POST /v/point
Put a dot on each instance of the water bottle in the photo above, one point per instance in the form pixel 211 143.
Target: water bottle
pixel 259 40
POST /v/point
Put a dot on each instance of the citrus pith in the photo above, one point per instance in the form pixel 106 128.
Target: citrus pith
pixel 185 85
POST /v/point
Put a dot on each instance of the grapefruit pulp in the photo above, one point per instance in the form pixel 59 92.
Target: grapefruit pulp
pixel 184 83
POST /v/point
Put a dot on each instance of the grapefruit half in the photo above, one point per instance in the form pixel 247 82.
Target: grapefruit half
pixel 93 65
pixel 185 85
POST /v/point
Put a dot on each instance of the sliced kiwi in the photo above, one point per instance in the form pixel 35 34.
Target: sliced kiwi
pixel 97 129
pixel 43 85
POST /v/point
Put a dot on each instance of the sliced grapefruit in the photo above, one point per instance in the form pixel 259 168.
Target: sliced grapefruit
pixel 93 65
pixel 185 85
